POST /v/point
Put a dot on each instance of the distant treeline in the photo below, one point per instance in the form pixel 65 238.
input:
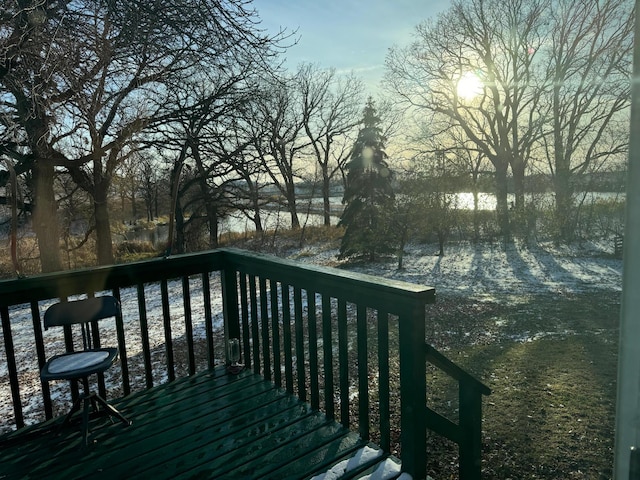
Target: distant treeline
pixel 540 183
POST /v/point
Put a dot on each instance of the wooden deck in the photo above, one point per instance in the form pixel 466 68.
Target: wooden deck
pixel 351 345
pixel 210 425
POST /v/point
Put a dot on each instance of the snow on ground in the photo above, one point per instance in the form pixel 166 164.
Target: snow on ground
pixel 492 270
pixel 482 271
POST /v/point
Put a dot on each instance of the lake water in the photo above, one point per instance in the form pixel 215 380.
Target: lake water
pixel 463 201
pixel 272 219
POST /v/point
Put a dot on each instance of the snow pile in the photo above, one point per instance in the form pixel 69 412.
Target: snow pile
pixel 362 456
pixel 385 471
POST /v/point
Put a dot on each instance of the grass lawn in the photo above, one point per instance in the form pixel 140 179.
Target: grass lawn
pixel 551 362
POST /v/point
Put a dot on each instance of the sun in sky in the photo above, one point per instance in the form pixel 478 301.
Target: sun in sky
pixel 469 86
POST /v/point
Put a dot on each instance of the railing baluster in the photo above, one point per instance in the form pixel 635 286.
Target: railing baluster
pixel 246 334
pixel 327 349
pixel 363 372
pixel 275 329
pixel 69 347
pixel 383 380
pixel 37 330
pixel 343 361
pixel 144 335
pixel 11 365
pixel 313 350
pixel 188 325
pixel 255 332
pixel 94 342
pixel 264 323
pixel 122 346
pixel 286 337
pixel 166 321
pixel 208 319
pixel 300 370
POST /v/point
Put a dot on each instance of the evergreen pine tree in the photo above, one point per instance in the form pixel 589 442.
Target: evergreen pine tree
pixel 368 193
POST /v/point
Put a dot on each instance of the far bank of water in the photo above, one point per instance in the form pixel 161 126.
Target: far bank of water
pixel 275 217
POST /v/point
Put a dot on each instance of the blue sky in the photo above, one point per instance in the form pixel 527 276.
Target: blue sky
pixel 347 34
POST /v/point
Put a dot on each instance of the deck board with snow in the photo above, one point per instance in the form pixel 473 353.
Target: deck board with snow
pixel 210 425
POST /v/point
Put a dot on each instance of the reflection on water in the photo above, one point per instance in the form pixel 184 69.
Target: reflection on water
pixel 238 223
pixel 156 236
pixel 274 219
pixel 487 201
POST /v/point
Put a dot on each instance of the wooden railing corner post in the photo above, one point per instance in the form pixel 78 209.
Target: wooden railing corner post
pixel 413 390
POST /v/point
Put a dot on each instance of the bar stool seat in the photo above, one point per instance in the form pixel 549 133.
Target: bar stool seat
pixel 80 365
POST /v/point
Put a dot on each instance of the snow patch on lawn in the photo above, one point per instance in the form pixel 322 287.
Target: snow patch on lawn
pixel 493 269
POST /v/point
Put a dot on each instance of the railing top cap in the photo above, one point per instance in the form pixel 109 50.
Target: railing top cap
pixel 57 284
pixel 376 283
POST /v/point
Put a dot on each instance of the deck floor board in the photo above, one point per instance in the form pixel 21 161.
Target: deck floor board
pixel 210 425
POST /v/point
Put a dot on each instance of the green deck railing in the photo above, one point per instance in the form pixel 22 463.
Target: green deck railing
pixel 351 345
pixel 467 433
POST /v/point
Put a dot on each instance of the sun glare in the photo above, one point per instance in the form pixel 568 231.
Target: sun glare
pixel 469 86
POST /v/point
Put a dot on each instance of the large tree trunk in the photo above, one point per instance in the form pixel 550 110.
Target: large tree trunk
pixel 173 212
pixel 254 202
pixel 45 218
pixel 209 200
pixel 564 212
pixel 180 244
pixel 213 228
pixel 518 170
pixel 134 209
pixel 518 220
pixel 502 206
pixel 212 219
pixel 476 209
pixel 257 218
pixel 292 207
pixel 564 203
pixel 104 245
pixel 325 195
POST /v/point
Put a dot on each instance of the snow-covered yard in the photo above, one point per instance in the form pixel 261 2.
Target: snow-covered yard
pixel 493 270
pixel 483 272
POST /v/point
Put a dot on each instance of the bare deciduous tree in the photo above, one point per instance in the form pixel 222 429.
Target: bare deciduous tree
pixel 331 111
pixel 492 44
pixel 543 78
pixel 587 65
pixel 279 139
pixel 82 80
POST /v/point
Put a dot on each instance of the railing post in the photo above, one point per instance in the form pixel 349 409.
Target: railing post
pixel 413 390
pixel 230 305
pixel 471 432
pixel 11 365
